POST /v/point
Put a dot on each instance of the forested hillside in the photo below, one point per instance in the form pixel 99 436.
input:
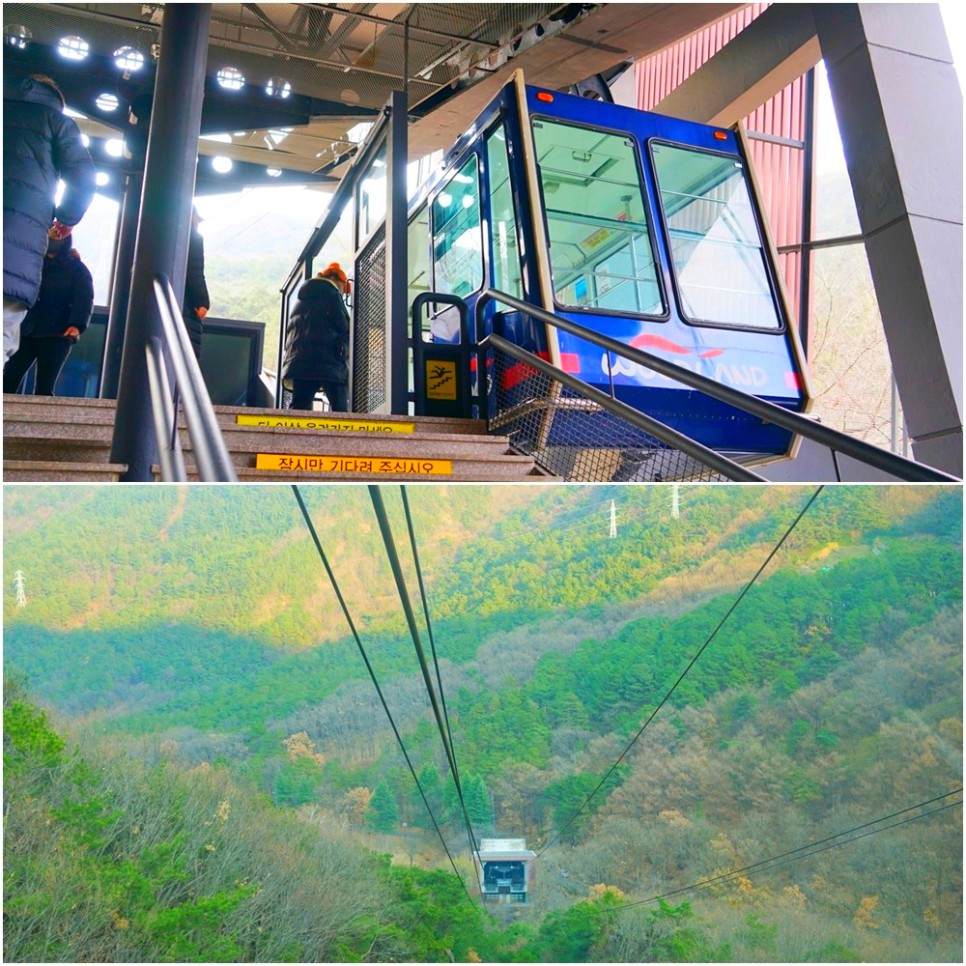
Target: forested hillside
pixel 667 714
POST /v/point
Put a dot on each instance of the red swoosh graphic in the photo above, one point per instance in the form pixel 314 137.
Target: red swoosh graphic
pixel 666 345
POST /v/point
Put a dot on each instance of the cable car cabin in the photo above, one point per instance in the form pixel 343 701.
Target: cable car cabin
pixel 637 226
pixel 506 868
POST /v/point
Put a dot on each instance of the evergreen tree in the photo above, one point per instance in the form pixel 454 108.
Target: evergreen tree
pixel 477 798
pixel 383 811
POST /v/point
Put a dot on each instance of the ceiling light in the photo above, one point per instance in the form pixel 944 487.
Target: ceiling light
pixel 128 58
pixel 73 48
pixel 107 102
pixel 278 87
pixel 230 78
pixel 16 35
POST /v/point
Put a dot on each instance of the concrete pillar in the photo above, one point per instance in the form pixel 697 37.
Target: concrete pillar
pixel 900 112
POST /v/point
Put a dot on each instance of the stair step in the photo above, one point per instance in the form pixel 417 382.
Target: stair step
pixel 60 471
pixel 52 438
pixel 101 412
pixel 511 469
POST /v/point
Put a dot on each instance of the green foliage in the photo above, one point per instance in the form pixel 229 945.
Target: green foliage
pixel 437 918
pixel 296 782
pixel 383 811
pixel 28 740
pixel 477 799
pixel 568 802
pixel 126 864
pixel 573 935
pixel 832 952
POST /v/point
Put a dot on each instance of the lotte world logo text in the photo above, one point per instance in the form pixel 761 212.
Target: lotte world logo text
pixel 708 362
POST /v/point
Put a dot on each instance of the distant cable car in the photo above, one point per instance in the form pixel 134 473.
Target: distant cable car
pixel 506 868
pixel 640 227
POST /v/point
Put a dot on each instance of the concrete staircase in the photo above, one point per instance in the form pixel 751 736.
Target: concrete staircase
pixel 64 439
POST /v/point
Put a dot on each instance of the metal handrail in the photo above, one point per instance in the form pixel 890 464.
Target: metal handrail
pixel 211 455
pixel 898 466
pixel 164 414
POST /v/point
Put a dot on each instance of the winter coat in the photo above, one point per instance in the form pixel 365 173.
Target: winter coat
pixel 40 146
pixel 317 342
pixel 66 296
pixel 195 289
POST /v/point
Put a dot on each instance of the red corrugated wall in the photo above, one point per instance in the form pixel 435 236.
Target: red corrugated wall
pixel 779 168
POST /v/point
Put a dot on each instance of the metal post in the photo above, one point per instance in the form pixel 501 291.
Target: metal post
pixel 397 157
pixel 162 242
pixel 808 210
pixel 121 281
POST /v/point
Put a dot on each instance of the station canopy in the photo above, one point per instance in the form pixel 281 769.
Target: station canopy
pixel 291 88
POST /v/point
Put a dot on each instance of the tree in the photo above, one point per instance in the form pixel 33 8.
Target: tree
pixel 300 745
pixel 355 804
pixel 383 813
pixel 477 798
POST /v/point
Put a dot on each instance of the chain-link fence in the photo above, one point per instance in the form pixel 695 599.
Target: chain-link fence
pixel 370 338
pixel 574 437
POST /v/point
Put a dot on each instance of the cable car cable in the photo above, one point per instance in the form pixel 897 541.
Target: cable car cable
pixel 429 627
pixel 775 862
pixel 372 675
pixel 691 663
pixel 387 538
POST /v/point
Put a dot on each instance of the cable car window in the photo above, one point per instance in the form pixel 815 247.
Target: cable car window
pixel 600 240
pixel 716 247
pixel 504 252
pixel 458 234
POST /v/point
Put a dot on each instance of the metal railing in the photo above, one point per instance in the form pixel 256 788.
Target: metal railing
pixel 211 457
pixel 554 398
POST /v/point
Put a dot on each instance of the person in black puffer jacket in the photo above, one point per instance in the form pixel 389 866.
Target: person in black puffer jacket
pixel 40 146
pixel 55 322
pixel 317 342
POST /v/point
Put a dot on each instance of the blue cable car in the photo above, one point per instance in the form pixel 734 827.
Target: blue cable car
pixel 638 226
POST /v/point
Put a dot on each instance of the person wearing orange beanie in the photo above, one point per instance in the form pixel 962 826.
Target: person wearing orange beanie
pixel 317 342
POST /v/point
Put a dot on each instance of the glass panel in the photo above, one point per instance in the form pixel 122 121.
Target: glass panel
pixel 849 357
pixel 418 258
pixel 718 256
pixel 458 234
pixel 373 195
pixel 505 254
pixel 600 241
pixel 835 214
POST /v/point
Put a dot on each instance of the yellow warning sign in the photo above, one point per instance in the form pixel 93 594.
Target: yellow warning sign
pixel 331 425
pixel 440 379
pixel 352 464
